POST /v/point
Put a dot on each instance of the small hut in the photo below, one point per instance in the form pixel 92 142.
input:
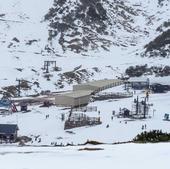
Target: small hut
pixel 159 88
pixel 24 106
pixel 8 132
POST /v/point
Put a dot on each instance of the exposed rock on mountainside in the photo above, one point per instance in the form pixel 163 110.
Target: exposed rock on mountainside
pixel 78 75
pixel 58 28
pixel 140 70
pixel 160 46
pixel 164 26
pixel 163 2
pixel 91 24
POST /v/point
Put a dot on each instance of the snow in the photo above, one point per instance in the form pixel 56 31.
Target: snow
pixel 51 130
pixel 30 15
pixel 118 156
pixel 25 22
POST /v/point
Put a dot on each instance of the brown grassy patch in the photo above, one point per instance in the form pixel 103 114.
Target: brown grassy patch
pixel 90 149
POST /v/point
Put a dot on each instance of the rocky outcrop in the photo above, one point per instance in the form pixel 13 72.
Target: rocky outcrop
pixel 85 25
pixel 160 46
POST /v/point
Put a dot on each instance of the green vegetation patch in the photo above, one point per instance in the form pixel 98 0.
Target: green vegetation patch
pixel 154 136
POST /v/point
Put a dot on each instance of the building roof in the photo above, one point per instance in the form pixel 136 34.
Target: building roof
pixel 5 102
pixel 8 128
pixel 156 84
pixel 138 79
pixel 101 83
pixel 23 104
pixel 77 93
pixel 161 80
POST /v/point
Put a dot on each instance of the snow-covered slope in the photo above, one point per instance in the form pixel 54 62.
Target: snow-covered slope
pixel 51 130
pixel 133 156
pixel 88 39
pixel 102 38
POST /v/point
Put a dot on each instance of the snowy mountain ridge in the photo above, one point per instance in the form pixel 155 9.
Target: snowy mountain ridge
pixel 100 35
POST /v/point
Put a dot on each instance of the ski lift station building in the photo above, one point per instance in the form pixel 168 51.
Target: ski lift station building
pixel 74 98
pixel 98 85
pixel 81 93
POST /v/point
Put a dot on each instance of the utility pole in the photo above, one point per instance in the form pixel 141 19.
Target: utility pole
pixel 144 109
pixel 19 87
pixel 46 66
pixel 70 113
pixel 137 105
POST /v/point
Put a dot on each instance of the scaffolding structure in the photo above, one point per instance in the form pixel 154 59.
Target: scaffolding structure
pixel 140 110
pixel 79 120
